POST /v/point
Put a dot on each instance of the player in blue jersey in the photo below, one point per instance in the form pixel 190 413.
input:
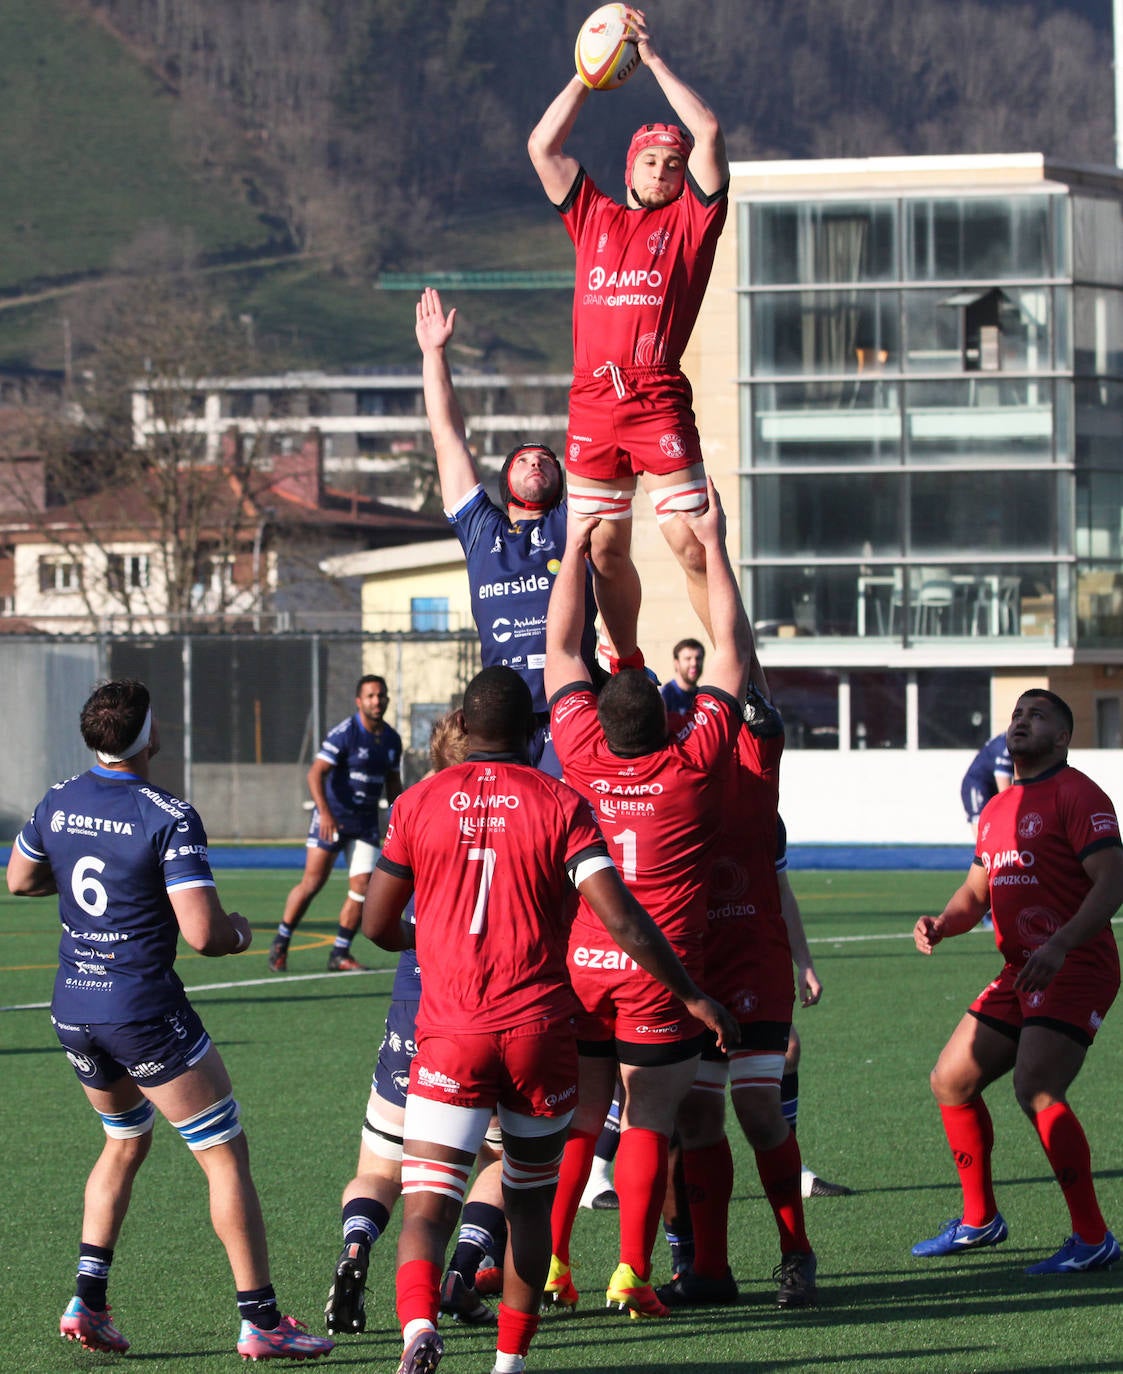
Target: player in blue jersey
pixel 991 772
pixel 359 758
pixel 679 693
pixel 512 551
pixel 128 862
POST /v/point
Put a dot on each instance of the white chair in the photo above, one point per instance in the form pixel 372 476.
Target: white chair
pixel 933 606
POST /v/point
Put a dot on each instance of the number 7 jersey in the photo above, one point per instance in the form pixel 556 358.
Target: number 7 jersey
pixel 490 846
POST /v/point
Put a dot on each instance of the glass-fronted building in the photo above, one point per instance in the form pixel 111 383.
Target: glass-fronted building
pixel 925 435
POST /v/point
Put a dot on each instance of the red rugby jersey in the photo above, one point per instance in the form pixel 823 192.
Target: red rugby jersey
pixel 641 275
pixel 1032 838
pixel 487 844
pixel 659 812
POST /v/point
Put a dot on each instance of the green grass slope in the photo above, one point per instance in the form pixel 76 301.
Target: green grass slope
pixel 89 151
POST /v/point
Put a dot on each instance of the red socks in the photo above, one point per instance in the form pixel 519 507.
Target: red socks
pixel 779 1171
pixel 418 1291
pixel 640 1179
pixel 970 1134
pixel 1066 1147
pixel 572 1177
pixel 709 1186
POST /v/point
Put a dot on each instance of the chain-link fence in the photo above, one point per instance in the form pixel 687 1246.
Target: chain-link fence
pixel 240 716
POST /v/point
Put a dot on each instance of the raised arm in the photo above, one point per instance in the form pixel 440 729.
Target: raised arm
pixel 556 169
pixel 565 617
pixel 727 666
pixel 456 468
pixel 707 164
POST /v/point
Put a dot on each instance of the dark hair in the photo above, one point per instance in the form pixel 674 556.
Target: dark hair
pixel 695 644
pixel 1060 705
pixel 113 715
pixel 498 706
pixel 370 677
pixel 632 714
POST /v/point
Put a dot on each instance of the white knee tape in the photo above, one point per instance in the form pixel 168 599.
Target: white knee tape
pixel 128 1125
pixel 691 498
pixel 749 1070
pixel 606 505
pixel 434 1176
pixel 382 1136
pixel 521 1175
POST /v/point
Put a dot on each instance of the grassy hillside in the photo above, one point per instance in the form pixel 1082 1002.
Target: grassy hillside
pixel 88 132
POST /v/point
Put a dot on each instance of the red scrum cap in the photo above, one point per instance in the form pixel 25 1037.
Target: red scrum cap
pixel 656 136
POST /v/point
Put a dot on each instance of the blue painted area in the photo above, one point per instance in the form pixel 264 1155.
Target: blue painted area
pixel 918 857
pixel 258 855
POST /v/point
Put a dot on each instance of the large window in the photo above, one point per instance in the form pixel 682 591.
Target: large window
pixel 836 241
pixel 978 237
pixel 825 331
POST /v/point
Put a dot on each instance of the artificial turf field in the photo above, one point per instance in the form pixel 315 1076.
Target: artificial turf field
pixel 300 1049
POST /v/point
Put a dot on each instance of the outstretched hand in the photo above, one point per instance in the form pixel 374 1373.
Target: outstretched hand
pixel 434 328
pixel 579 532
pixel 708 525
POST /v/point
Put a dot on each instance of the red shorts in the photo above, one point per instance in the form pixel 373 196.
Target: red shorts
pixel 619 1001
pixel 530 1069
pixel 650 429
pixel 749 967
pixel 1079 996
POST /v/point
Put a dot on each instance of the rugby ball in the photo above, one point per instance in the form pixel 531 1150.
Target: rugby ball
pixel 606 53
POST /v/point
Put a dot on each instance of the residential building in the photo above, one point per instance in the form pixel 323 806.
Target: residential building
pixel 203 546
pixel 371 422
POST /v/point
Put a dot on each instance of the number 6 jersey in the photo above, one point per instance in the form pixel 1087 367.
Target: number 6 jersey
pixel 117 845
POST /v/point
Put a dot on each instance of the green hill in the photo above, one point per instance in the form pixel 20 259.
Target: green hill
pixel 295 150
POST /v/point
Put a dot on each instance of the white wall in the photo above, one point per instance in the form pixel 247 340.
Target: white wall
pixel 893 797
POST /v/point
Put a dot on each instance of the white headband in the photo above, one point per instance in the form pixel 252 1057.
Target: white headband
pixel 137 745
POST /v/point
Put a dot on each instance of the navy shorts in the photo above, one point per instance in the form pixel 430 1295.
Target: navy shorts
pixel 395 1054
pixel 148 1052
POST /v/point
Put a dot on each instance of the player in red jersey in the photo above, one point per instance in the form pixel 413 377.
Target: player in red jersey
pixel 1048 857
pixel 751 939
pixel 642 270
pixel 490 847
pixel 657 801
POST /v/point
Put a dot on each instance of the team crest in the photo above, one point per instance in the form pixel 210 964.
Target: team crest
pixel 658 241
pixel 1030 826
pixel 672 445
pixel 573 452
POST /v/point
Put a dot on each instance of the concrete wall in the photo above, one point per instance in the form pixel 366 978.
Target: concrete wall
pixel 879 797
pixel 251 801
pixel 892 797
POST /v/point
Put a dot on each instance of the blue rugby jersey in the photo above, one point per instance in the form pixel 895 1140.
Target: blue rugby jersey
pixel 511 571
pixel 360 762
pixel 117 845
